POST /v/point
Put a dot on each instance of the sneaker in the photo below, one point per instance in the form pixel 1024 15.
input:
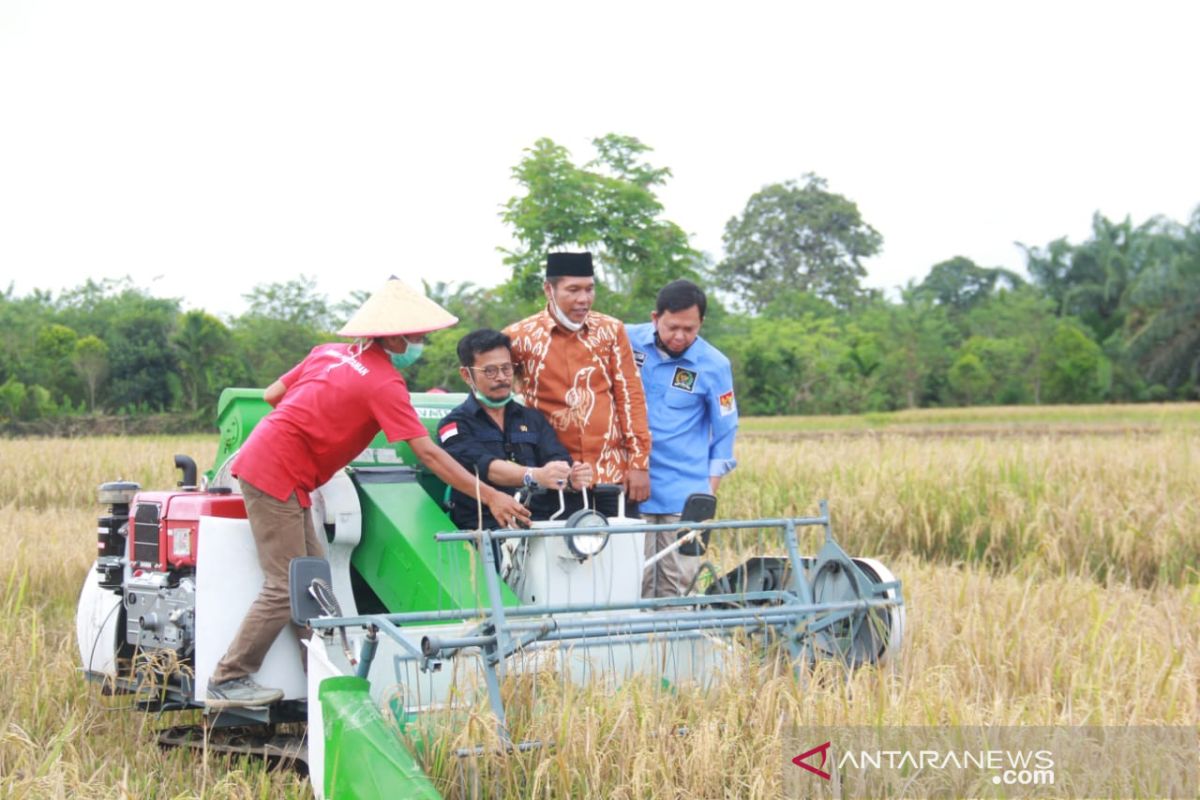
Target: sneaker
pixel 240 693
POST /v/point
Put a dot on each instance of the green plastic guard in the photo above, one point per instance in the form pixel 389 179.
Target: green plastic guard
pixel 364 758
pixel 238 411
pixel 402 562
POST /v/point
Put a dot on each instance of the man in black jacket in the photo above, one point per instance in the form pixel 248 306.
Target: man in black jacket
pixel 505 443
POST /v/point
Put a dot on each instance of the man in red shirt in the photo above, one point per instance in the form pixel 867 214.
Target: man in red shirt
pixel 327 409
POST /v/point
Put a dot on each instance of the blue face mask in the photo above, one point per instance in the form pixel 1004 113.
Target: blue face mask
pixel 410 355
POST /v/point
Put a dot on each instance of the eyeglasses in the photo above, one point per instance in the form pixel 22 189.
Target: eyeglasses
pixel 493 371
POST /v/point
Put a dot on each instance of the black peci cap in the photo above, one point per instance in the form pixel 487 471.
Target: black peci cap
pixel 576 265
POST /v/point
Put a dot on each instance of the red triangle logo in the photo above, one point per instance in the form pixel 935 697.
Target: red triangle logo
pixel 823 749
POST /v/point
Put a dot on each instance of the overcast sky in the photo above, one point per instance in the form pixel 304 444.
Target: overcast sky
pixel 203 148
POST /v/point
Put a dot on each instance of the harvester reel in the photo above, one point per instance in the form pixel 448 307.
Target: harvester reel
pixel 861 636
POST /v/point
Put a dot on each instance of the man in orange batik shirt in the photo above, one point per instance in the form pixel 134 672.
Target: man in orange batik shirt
pixel 578 370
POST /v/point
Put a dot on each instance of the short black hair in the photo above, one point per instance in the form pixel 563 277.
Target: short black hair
pixel 681 295
pixel 483 340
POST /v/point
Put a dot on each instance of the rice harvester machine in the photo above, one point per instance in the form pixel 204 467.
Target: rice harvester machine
pixel 411 617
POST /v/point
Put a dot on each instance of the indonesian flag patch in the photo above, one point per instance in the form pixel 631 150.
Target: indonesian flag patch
pixel 727 404
pixel 447 431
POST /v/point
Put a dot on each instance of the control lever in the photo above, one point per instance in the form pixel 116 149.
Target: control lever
pixel 699 507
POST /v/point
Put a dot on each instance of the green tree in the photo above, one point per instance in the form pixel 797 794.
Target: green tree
pixel 860 371
pixel 200 341
pixel 1162 332
pixel 283 323
pixel 786 366
pixel 1016 326
pixel 960 284
pixel 142 363
pixel 296 302
pixel 608 207
pixel 39 404
pixel 917 341
pixel 54 347
pixel 136 327
pixel 797 239
pixel 1005 361
pixel 1072 366
pixel 90 360
pixel 271 347
pixel 1089 280
pixel 12 400
pixel 969 378
pixel 25 403
pixel 20 320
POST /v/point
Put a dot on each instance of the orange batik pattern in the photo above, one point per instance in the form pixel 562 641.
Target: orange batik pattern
pixel 587 385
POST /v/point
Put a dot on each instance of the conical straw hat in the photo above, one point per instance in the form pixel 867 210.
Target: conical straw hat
pixel 395 309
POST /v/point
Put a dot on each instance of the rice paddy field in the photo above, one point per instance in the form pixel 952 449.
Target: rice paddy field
pixel 1049 558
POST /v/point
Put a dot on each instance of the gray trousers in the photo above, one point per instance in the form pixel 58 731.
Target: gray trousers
pixel 672 575
pixel 282 531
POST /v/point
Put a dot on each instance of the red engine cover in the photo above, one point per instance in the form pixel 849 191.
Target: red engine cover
pixel 165 526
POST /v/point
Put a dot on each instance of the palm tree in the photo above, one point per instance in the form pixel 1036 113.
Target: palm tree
pixel 200 338
pixel 1163 326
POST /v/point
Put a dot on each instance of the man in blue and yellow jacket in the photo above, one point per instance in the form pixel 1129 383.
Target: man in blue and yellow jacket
pixel 693 420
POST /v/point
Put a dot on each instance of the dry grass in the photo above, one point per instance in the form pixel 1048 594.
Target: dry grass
pixel 1048 581
pixel 980 650
pixel 46 474
pixel 1123 508
pixel 990 419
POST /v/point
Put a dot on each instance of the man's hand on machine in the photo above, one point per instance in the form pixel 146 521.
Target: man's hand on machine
pixel 581 476
pixel 553 475
pixel 507 510
pixel 557 475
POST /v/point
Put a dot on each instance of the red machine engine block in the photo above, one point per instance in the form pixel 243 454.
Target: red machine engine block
pixel 165 526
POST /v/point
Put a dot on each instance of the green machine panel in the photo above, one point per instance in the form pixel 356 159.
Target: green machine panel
pixel 400 559
pixel 430 408
pixel 238 411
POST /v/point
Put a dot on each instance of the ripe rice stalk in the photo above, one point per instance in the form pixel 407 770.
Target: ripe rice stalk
pixel 1049 580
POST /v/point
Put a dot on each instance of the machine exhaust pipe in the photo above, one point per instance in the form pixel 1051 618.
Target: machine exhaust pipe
pixel 188 467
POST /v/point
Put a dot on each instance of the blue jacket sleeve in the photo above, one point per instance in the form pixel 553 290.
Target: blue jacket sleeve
pixel 722 411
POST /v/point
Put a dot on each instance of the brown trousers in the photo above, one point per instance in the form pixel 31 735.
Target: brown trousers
pixel 282 531
pixel 671 576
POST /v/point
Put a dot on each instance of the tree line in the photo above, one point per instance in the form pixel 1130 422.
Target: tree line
pixel 1115 317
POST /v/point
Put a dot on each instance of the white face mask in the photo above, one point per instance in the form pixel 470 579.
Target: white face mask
pixel 562 318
